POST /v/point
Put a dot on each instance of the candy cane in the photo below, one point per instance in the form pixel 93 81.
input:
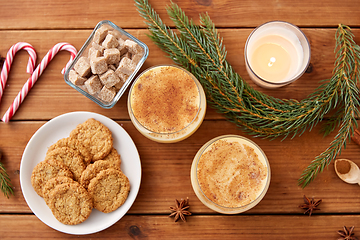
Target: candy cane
pixel 9 59
pixel 36 74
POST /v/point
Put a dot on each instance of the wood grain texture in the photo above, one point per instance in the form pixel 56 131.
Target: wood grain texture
pixel 68 14
pixel 172 162
pixel 166 167
pixel 197 227
pixel 51 96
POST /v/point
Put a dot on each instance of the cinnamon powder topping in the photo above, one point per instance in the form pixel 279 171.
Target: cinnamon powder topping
pixel 231 174
pixel 165 99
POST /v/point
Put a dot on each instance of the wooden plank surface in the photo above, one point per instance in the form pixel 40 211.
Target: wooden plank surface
pixel 67 14
pixel 166 167
pixel 173 163
pixel 50 89
pixel 197 227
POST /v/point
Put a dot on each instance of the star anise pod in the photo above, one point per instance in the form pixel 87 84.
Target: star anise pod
pixel 310 205
pixel 180 209
pixel 347 234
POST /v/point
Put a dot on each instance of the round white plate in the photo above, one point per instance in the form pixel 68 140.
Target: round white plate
pixel 60 127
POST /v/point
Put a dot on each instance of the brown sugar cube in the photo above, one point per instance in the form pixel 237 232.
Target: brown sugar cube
pixel 94 53
pixel 107 94
pixel 98 65
pixel 112 67
pixel 98 47
pixel 75 78
pixel 93 84
pixel 115 33
pixel 127 54
pixel 118 85
pixel 109 78
pixel 112 55
pixel 100 34
pixel 122 48
pixel 136 58
pixel 110 42
pixel 123 77
pixel 133 47
pixel 82 67
pixel 126 66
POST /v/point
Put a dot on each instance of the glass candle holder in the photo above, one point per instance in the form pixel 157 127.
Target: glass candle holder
pixel 230 174
pixel 276 54
pixel 166 103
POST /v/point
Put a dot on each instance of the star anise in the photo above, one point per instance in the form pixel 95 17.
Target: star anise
pixel 347 234
pixel 180 209
pixel 310 205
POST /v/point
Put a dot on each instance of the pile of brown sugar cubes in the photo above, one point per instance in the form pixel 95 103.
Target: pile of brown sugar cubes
pixel 106 64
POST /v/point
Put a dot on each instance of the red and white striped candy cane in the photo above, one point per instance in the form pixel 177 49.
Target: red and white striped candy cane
pixel 9 59
pixel 36 74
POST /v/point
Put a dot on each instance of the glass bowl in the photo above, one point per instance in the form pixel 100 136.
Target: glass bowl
pixel 230 174
pixel 166 103
pixel 100 49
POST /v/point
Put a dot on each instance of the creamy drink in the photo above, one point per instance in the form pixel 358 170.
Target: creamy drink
pixel 166 104
pixel 230 174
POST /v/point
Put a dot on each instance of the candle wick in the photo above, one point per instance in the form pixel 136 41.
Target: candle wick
pixel 272 61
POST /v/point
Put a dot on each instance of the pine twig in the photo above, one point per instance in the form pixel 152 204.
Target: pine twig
pixel 203 54
pixel 5 182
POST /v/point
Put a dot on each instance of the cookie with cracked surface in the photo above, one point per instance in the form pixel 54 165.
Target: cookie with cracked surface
pixel 114 158
pixel 71 158
pixel 92 170
pixel 109 190
pixel 46 170
pixel 95 136
pixel 73 144
pixel 70 203
pixel 52 183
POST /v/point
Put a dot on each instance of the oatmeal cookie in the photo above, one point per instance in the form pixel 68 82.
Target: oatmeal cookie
pixel 70 203
pixel 52 183
pixel 71 158
pixel 109 190
pixel 73 144
pixel 92 170
pixel 95 136
pixel 114 158
pixel 46 170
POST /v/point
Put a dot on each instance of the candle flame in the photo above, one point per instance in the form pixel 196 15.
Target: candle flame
pixel 272 61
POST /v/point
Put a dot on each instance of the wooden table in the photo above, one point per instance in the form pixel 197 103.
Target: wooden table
pixel 166 167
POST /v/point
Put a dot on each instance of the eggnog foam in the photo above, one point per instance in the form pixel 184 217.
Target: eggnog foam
pixel 231 173
pixel 165 99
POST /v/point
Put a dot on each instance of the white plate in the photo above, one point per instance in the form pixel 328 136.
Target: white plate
pixel 61 127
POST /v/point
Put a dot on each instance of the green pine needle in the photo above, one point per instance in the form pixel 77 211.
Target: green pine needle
pixel 5 182
pixel 200 49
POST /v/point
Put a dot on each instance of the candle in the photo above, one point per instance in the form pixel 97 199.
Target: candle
pixel 276 54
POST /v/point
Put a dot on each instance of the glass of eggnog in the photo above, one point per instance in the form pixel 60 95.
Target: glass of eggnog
pixel 166 103
pixel 230 174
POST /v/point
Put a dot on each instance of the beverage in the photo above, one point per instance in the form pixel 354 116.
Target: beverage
pixel 230 174
pixel 166 104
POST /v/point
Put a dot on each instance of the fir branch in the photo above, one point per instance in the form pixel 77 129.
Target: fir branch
pixel 346 75
pixel 5 182
pixel 204 55
pixel 263 112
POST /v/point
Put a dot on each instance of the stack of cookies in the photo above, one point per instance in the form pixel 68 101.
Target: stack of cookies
pixel 81 172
